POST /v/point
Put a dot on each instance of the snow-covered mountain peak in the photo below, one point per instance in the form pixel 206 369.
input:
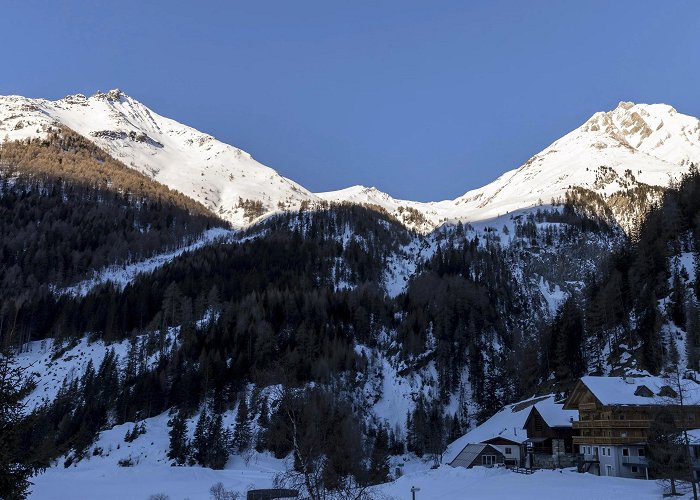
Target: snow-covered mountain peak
pixel 646 128
pixel 613 151
pixel 222 177
pixel 112 95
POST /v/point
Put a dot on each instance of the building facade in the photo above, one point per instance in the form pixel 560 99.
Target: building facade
pixel 615 415
pixel 550 433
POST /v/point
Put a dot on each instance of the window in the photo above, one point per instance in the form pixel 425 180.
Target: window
pixel 667 392
pixel 625 452
pixel 641 452
pixel 488 459
pixel 643 391
pixel 635 469
pixel 509 451
pixel 595 450
pixel 589 450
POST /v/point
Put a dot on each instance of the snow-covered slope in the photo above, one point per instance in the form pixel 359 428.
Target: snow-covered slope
pixel 217 175
pixel 633 145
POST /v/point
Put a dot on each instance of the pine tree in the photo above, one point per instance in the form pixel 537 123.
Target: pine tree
pixel 179 447
pixel 218 443
pixel 171 301
pixel 200 442
pixel 667 455
pixel 242 432
pixel 14 472
pixel 379 459
pixel 677 298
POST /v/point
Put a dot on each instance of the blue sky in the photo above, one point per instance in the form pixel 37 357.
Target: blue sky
pixel 422 99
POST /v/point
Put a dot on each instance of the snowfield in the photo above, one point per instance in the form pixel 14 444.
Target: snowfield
pixel 89 483
pixel 498 483
pixel 120 483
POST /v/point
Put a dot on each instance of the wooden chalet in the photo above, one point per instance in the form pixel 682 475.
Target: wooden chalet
pixel 505 433
pixel 615 414
pixel 549 433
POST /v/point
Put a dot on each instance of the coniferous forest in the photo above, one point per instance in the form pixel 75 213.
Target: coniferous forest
pixel 296 307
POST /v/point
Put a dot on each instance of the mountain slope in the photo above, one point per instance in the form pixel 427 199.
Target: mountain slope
pixel 219 176
pixel 632 146
pixel 626 150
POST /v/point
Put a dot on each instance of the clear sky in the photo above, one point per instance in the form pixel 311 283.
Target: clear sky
pixel 422 99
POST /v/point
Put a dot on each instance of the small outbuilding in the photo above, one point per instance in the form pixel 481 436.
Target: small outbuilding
pixel 478 454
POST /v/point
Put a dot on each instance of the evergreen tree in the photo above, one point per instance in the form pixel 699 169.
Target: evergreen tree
pixel 668 458
pixel 677 298
pixel 379 458
pixel 218 443
pixel 200 441
pixel 179 447
pixel 14 471
pixel 242 432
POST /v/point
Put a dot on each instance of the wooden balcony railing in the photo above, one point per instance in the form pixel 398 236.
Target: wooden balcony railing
pixel 611 424
pixel 600 440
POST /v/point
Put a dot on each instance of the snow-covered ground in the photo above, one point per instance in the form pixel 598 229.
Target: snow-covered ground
pixel 498 483
pixel 139 483
pixel 102 474
pixel 50 365
pixel 89 483
pixel 121 275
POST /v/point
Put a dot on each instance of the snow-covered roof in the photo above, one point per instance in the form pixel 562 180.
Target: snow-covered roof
pixel 507 423
pixel 629 390
pixel 694 436
pixel 554 414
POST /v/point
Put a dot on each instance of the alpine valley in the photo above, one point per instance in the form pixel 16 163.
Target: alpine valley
pixel 177 302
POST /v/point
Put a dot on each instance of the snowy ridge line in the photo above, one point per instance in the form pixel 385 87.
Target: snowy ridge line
pixel 225 179
pixel 122 275
pixel 634 145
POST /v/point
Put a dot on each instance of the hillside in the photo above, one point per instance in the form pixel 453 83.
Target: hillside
pixel 644 305
pixel 370 329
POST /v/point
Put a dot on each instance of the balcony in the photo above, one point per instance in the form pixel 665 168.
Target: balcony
pixel 636 460
pixel 602 440
pixel 611 424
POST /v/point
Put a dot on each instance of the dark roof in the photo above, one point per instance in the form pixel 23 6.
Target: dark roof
pixel 469 453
